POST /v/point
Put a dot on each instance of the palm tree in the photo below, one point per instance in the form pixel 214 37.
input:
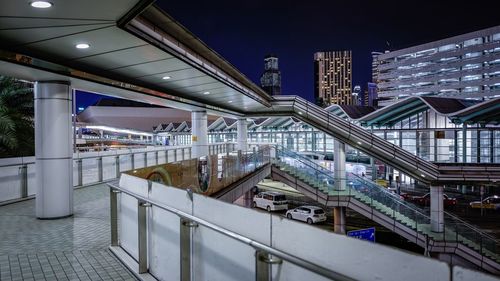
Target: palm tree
pixel 16 118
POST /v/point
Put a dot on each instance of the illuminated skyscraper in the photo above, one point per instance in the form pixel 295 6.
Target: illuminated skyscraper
pixel 270 80
pixel 333 77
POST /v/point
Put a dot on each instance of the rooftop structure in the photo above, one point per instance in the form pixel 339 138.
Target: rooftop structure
pixel 465 66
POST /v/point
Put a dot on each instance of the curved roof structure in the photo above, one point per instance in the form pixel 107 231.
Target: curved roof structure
pixel 459 111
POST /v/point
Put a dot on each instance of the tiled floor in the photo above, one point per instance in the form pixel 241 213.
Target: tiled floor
pixel 65 249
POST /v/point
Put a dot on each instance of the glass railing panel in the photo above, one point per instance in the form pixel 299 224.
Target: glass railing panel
pixel 384 201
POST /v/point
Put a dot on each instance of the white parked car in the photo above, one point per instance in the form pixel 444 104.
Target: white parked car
pixel 309 214
pixel 271 201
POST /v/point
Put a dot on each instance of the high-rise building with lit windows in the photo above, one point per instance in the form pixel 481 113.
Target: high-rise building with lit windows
pixel 465 66
pixel 333 77
pixel 270 80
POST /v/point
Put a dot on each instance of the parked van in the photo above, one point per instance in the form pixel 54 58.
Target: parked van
pixel 271 201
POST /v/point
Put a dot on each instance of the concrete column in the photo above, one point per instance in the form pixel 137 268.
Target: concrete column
pixel 242 134
pixel 339 220
pixel 437 209
pixel 199 133
pixel 53 149
pixel 339 165
pixel 373 168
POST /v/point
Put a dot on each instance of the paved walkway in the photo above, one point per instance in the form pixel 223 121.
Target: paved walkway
pixel 74 248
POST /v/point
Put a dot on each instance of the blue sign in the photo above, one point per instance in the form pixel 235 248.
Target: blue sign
pixel 363 234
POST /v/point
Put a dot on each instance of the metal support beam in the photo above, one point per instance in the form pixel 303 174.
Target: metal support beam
pixel 23 173
pixel 99 169
pixel 186 244
pixel 113 203
pixel 79 170
pixel 117 166
pixel 142 235
pixel 263 265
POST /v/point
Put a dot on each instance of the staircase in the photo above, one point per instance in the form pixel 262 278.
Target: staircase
pixel 387 209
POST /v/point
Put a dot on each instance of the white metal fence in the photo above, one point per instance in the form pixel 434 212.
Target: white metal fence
pixel 18 179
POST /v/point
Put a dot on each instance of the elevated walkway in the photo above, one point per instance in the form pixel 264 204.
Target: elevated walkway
pixel 393 155
pixel 387 209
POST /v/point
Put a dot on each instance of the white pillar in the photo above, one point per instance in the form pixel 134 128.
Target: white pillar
pixel 339 220
pixel 53 150
pixel 199 133
pixel 242 134
pixel 437 209
pixel 339 165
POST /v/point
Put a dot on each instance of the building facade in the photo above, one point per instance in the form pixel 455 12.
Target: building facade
pixel 270 81
pixel 465 66
pixel 333 77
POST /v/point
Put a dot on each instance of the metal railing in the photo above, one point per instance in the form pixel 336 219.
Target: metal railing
pixel 89 168
pixel 265 256
pixel 390 204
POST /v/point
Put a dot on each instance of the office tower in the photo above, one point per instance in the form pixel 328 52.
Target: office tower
pixel 357 95
pixel 463 66
pixel 270 80
pixel 333 77
pixel 371 97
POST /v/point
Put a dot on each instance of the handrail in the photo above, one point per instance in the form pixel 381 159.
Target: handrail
pixel 416 211
pixel 318 269
pixel 470 226
pixel 109 155
pixel 373 185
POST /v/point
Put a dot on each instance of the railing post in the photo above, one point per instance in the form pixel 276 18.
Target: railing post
pixel 190 152
pixel 254 157
pixel 79 169
pixel 132 160
pixel 142 235
pixel 23 173
pixel 175 155
pixel 263 263
pixel 145 159
pixel 166 155
pixel 156 157
pixel 99 169
pixel 113 198
pixel 186 242
pixel 183 158
pixel 117 166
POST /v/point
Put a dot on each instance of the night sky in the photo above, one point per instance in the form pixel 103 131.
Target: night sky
pixel 243 32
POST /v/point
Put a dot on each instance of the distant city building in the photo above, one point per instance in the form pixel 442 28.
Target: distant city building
pixel 357 95
pixel 465 66
pixel 333 77
pixel 270 81
pixel 371 96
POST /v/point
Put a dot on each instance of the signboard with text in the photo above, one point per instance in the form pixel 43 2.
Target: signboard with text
pixel 363 234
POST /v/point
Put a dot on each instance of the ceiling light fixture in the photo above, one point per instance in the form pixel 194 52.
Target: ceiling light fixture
pixel 230 101
pixel 41 4
pixel 166 77
pixel 206 93
pixel 82 46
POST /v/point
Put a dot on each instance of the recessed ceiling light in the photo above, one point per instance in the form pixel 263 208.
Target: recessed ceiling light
pixel 166 77
pixel 423 175
pixel 230 101
pixel 41 4
pixel 359 142
pixel 206 93
pixel 82 46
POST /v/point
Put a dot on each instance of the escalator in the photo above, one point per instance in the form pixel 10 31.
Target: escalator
pixel 387 209
pixel 368 143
